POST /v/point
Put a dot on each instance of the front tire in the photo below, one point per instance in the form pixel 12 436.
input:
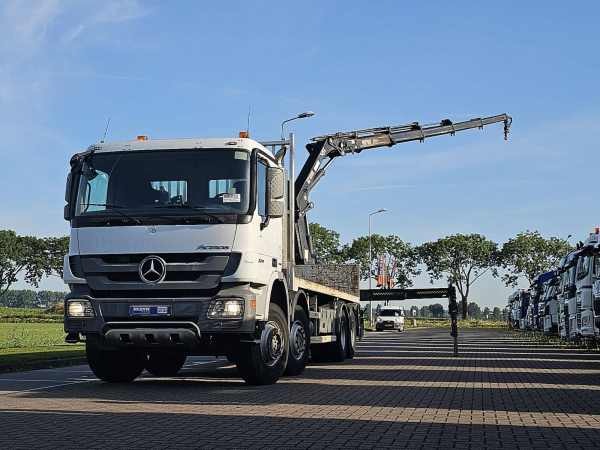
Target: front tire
pixel 299 343
pixel 114 366
pixel 264 363
pixel 165 364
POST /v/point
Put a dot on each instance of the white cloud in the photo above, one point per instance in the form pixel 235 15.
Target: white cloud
pixel 25 25
pixel 108 12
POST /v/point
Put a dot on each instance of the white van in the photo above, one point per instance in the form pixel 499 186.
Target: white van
pixel 390 318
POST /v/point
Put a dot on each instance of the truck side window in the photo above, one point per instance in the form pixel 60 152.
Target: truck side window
pixel 261 184
pixel 95 194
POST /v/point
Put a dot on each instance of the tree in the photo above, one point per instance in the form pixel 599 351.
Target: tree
pixel 462 259
pixel 436 310
pixel 33 257
pixel 326 244
pixel 497 313
pixel 528 254
pixel 473 310
pixel 486 313
pixel 55 249
pixel 399 258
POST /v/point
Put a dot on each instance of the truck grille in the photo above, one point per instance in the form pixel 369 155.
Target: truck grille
pixel 186 273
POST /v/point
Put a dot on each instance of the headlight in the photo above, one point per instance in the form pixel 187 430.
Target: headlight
pixel 379 319
pixel 80 308
pixel 226 309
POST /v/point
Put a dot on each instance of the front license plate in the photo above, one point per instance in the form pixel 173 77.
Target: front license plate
pixel 149 310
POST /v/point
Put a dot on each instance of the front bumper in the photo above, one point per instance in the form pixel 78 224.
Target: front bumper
pixel 187 324
pixel 388 325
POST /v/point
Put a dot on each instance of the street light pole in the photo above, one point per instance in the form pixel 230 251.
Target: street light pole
pixel 382 210
pixel 303 115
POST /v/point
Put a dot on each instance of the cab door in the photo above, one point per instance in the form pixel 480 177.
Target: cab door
pixel 269 244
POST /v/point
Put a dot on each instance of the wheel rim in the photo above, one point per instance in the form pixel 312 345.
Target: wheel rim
pixel 298 340
pixel 272 343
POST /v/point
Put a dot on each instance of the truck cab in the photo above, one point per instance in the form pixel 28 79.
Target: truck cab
pixel 550 315
pixel 514 311
pixel 588 287
pixel 175 245
pixel 566 294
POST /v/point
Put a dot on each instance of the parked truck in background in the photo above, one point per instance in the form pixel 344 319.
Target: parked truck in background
pixel 200 246
pixel 566 295
pixel 588 286
pixel 550 305
pixel 537 290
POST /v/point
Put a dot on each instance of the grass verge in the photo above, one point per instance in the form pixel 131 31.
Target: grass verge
pixel 26 346
pixel 28 358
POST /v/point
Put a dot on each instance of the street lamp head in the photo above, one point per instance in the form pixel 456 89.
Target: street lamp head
pixel 378 211
pixel 305 114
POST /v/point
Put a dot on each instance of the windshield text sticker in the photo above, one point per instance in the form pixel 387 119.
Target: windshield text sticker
pixel 232 198
pixel 241 155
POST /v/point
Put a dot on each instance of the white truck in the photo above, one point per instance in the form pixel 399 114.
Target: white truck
pixel 550 305
pixel 587 313
pixel 566 296
pixel 201 247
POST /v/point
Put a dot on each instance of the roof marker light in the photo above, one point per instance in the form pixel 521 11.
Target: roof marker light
pixel 244 134
pixel 141 137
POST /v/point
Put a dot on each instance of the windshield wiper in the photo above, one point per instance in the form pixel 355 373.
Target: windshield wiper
pixel 202 209
pixel 116 208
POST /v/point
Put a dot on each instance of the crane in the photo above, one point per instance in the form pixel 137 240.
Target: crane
pixel 322 150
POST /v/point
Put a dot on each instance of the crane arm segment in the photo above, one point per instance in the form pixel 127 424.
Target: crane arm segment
pixel 324 149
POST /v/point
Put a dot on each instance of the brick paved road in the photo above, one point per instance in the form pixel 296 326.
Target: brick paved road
pixel 403 390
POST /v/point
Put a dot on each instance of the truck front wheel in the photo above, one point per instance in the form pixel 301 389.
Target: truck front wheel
pixel 165 364
pixel 264 363
pixel 114 366
pixel 299 343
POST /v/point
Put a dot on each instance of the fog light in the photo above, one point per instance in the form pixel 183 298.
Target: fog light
pixel 80 308
pixel 226 309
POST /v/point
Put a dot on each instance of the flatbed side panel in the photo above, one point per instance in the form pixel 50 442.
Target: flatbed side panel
pixel 301 283
pixel 341 277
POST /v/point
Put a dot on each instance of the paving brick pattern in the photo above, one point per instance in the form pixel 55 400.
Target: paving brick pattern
pixel 403 390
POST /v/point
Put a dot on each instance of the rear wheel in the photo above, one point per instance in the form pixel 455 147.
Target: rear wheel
pixel 165 364
pixel 337 350
pixel 352 333
pixel 299 343
pixel 265 362
pixel 114 366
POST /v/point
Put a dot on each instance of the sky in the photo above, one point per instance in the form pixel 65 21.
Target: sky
pixel 186 68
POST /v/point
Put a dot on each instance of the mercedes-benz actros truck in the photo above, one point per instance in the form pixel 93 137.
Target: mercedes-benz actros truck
pixel 185 247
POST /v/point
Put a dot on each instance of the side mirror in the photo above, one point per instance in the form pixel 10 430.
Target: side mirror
pixel 67 209
pixel 275 192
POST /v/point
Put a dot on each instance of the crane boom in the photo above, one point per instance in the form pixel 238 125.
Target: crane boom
pixel 324 149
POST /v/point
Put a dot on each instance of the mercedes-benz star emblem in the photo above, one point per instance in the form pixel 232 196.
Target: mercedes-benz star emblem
pixel 152 269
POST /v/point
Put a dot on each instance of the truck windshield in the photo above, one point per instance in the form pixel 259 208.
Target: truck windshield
pixel 389 313
pixel 165 182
